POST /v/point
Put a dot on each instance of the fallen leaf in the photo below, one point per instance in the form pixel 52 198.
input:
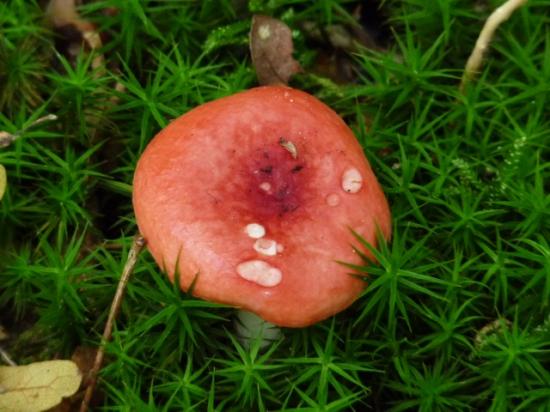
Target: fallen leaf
pixel 38 386
pixel 3 181
pixel 271 49
pixel 83 357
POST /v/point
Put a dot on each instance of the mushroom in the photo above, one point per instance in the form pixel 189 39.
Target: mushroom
pixel 252 223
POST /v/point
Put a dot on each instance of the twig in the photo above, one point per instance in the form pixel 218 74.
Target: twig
pixel 6 357
pixel 137 246
pixel 500 15
pixel 8 138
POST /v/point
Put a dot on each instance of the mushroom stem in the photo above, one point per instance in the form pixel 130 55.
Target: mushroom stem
pixel 250 328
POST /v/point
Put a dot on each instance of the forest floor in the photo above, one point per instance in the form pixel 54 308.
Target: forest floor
pixel 456 315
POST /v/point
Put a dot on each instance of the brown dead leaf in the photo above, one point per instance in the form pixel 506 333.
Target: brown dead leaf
pixel 271 48
pixel 38 386
pixel 84 357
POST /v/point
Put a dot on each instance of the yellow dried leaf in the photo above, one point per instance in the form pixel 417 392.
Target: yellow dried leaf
pixel 38 386
pixel 3 181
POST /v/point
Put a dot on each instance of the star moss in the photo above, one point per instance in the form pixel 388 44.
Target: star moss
pixel 456 315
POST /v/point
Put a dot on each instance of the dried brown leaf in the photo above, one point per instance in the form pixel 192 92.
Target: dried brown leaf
pixel 84 357
pixel 271 48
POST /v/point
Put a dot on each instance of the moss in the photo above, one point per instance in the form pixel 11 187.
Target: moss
pixel 466 175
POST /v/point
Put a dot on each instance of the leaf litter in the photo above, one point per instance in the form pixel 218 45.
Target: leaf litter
pixel 38 386
pixel 271 48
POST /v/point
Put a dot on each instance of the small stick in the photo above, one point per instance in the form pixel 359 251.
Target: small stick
pixel 500 15
pixel 8 138
pixel 137 246
pixel 6 357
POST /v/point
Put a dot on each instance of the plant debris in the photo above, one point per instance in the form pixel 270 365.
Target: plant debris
pixel 499 16
pixel 137 246
pixel 271 48
pixel 289 146
pixel 8 138
pixel 38 386
pixel 74 30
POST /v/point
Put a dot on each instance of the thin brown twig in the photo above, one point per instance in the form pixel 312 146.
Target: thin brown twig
pixel 499 16
pixel 137 246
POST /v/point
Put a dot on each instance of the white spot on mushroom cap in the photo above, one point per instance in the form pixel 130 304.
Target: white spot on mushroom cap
pixel 352 181
pixel 332 200
pixel 255 230
pixel 266 247
pixel 265 186
pixel 260 272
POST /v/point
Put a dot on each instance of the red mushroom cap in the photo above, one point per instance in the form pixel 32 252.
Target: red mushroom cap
pixel 253 195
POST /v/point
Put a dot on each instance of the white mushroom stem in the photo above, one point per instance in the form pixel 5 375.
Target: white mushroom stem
pixel 500 15
pixel 251 328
